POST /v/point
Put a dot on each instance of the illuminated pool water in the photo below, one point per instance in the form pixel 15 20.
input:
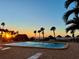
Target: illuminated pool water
pixel 38 44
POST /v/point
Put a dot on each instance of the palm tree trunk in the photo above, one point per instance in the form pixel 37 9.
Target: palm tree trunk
pixel 35 35
pixel 39 35
pixel 72 32
pixel 54 33
pixel 73 37
pixel 43 34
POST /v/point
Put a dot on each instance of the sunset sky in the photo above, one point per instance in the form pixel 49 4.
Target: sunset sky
pixel 29 15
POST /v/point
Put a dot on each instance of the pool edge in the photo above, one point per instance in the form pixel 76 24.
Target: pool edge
pixel 66 46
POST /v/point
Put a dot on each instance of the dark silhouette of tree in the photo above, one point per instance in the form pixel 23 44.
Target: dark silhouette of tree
pixel 3 24
pixel 74 10
pixel 35 32
pixel 75 20
pixel 12 32
pixel 42 30
pixel 72 32
pixel 72 29
pixel 68 2
pixel 39 33
pixel 53 29
pixel 6 30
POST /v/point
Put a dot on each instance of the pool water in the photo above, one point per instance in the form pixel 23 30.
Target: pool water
pixel 38 44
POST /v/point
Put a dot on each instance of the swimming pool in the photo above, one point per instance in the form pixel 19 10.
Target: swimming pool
pixel 39 44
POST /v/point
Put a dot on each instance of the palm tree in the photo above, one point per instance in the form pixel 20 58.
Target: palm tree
pixel 3 24
pixel 39 33
pixel 35 32
pixel 68 2
pixel 72 28
pixel 68 13
pixel 42 30
pixel 72 32
pixel 75 21
pixel 74 25
pixel 53 29
pixel 74 10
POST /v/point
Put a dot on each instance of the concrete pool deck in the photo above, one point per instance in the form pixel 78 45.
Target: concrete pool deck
pixel 24 53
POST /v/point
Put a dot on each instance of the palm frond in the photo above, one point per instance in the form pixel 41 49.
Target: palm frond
pixel 68 2
pixel 76 12
pixel 70 21
pixel 53 28
pixel 74 21
pixel 72 27
pixel 34 31
pixel 67 14
pixel 72 31
pixel 42 29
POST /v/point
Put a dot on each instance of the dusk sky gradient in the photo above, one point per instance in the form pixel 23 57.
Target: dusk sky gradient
pixel 29 15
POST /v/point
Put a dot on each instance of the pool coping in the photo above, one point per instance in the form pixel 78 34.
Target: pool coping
pixel 66 46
